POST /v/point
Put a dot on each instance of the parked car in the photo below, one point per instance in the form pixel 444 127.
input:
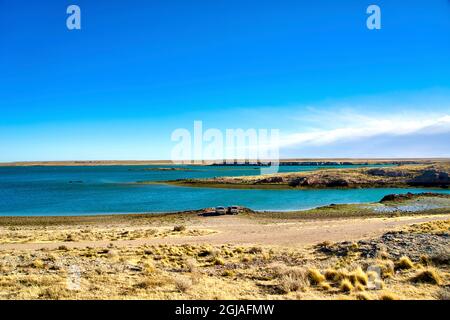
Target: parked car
pixel 221 210
pixel 233 210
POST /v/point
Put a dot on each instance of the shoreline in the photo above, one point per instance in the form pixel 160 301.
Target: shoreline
pixel 434 175
pixel 330 211
pixel 269 186
pixel 340 161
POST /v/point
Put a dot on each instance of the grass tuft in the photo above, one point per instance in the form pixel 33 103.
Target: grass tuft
pixel 38 264
pixel 346 285
pixel 388 296
pixel 325 286
pixel 179 228
pixel 183 284
pixel 429 275
pixel 315 277
pixel 404 263
pixel 332 275
pixel 359 276
pixel 363 296
pixel 289 283
pixel 228 273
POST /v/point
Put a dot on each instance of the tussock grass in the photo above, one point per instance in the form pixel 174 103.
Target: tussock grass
pixel 228 273
pixel 38 264
pixel 255 250
pixel 315 277
pixel 183 284
pixel 332 275
pixel 149 268
pixel 325 286
pixel 218 261
pixel 428 275
pixel 359 287
pixel 404 263
pixel 246 259
pixel 387 268
pixel 362 296
pixel 346 285
pixel 388 296
pixel 289 278
pixel 179 228
pixel 290 282
pixel 358 275
pixel 191 265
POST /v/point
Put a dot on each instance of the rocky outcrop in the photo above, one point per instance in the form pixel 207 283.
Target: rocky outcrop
pixel 323 181
pixel 337 183
pixel 435 175
pixel 397 197
pixel 387 173
pixel 298 182
pixel 271 180
pixel 409 196
pixel 431 177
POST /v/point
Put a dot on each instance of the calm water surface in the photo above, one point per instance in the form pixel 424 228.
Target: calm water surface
pixel 109 189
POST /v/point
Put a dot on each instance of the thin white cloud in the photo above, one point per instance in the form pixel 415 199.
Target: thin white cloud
pixel 364 127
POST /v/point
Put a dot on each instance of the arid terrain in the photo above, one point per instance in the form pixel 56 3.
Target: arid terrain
pixel 398 252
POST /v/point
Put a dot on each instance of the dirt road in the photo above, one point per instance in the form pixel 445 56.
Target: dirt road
pixel 236 230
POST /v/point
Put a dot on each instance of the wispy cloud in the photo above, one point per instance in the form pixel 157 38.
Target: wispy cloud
pixel 361 127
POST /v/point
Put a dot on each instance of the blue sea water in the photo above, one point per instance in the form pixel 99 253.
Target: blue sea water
pixel 77 190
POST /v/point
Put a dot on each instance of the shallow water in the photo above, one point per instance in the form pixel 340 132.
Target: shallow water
pixel 109 189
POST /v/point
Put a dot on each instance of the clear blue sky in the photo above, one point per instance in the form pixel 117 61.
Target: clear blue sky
pixel 140 69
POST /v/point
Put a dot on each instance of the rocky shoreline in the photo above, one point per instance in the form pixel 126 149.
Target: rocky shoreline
pixel 431 176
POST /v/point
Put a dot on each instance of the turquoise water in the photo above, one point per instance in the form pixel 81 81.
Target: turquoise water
pixel 109 189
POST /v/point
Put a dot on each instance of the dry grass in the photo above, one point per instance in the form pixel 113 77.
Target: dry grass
pixel 183 284
pixel 289 283
pixel 346 285
pixel 192 272
pixel 404 263
pixel 437 227
pixel 428 275
pixel 214 272
pixel 363 296
pixel 387 268
pixel 315 277
pixel 63 234
pixel 38 264
pixel 388 296
pixel 179 228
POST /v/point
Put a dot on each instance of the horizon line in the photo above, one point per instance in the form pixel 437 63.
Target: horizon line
pixel 204 161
